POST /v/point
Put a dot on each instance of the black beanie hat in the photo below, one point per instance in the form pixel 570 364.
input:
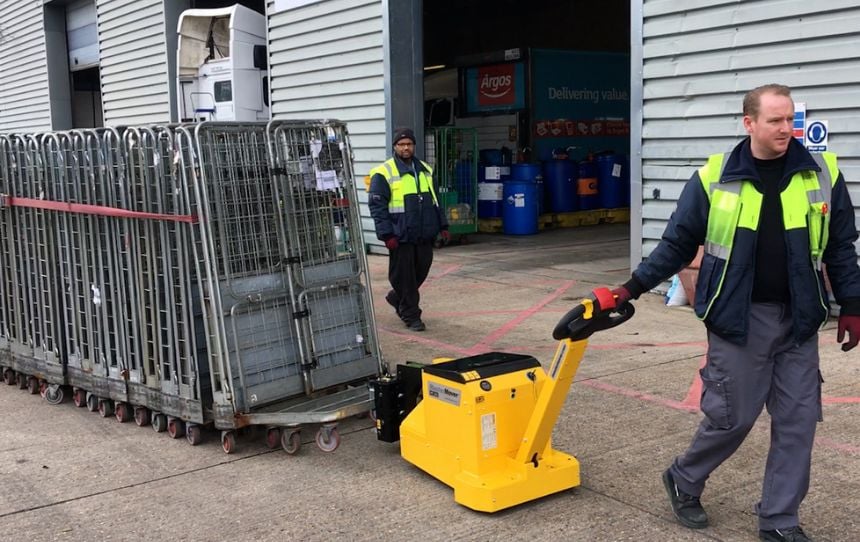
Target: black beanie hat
pixel 402 133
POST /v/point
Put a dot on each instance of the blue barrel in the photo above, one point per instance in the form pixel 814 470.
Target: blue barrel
pixel 560 180
pixel 490 194
pixel 587 187
pixel 526 171
pixel 490 157
pixel 533 172
pixel 520 211
pixel 611 175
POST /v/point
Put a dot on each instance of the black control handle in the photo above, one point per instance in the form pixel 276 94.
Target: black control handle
pixel 594 313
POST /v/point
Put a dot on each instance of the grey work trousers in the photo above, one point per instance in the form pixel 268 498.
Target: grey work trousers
pixel 737 381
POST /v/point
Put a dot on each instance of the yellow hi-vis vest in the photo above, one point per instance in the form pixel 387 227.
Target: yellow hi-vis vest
pixel 402 186
pixel 737 204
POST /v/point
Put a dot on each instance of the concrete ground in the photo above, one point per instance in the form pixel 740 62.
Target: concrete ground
pixel 67 474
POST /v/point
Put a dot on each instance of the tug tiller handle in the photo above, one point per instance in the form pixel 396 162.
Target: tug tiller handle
pixel 597 312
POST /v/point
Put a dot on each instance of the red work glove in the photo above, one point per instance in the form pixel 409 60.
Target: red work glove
pixel 391 243
pixel 851 324
pixel 446 236
pixel 622 295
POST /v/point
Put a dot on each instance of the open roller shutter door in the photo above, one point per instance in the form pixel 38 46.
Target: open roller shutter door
pixel 83 35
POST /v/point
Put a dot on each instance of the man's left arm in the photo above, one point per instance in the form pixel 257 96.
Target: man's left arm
pixel 840 257
pixel 443 220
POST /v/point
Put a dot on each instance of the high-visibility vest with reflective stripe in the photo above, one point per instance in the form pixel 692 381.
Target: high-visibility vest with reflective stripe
pixel 737 204
pixel 402 186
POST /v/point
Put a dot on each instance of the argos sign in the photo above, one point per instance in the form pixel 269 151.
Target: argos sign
pixel 495 87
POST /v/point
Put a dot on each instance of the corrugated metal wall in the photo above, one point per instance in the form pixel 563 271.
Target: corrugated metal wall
pixel 25 104
pixel 698 59
pixel 133 61
pixel 326 61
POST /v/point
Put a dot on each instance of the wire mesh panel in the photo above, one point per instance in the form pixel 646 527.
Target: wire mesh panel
pixel 163 367
pixel 8 264
pixel 313 175
pixel 40 340
pixel 455 174
pixel 312 166
pixel 238 252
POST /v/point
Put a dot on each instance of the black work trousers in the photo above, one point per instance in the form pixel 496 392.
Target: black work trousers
pixel 408 267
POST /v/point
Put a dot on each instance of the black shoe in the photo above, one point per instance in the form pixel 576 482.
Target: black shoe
pixel 687 508
pixel 416 325
pixel 792 534
pixel 391 298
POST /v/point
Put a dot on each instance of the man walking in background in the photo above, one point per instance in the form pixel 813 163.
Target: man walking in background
pixel 407 218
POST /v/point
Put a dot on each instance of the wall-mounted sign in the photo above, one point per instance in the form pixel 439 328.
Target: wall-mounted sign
pixel 580 102
pixel 498 87
pixel 816 136
pixel 799 121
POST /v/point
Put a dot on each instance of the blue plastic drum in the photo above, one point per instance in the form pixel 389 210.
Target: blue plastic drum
pixel 611 178
pixel 533 172
pixel 560 180
pixel 520 211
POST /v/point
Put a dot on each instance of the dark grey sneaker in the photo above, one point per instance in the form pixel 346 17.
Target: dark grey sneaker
pixel 792 534
pixel 416 325
pixel 687 508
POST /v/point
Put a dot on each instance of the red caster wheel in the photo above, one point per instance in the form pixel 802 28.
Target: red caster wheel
pixel 228 442
pixel 122 412
pixel 141 416
pixel 273 437
pixel 175 427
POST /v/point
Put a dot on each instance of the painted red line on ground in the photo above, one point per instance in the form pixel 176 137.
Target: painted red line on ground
pixel 425 340
pixel 840 400
pixel 694 394
pixel 489 339
pixel 447 271
pixel 835 445
pixel 627 392
pixel 628 346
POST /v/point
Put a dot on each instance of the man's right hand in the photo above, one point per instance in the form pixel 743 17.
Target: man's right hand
pixel 392 243
pixel 621 295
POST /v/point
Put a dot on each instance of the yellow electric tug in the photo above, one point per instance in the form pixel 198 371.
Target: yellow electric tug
pixel 483 424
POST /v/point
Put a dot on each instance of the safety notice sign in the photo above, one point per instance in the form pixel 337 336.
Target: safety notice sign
pixel 816 136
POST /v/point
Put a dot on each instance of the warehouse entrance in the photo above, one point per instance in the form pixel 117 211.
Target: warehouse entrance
pixel 526 112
